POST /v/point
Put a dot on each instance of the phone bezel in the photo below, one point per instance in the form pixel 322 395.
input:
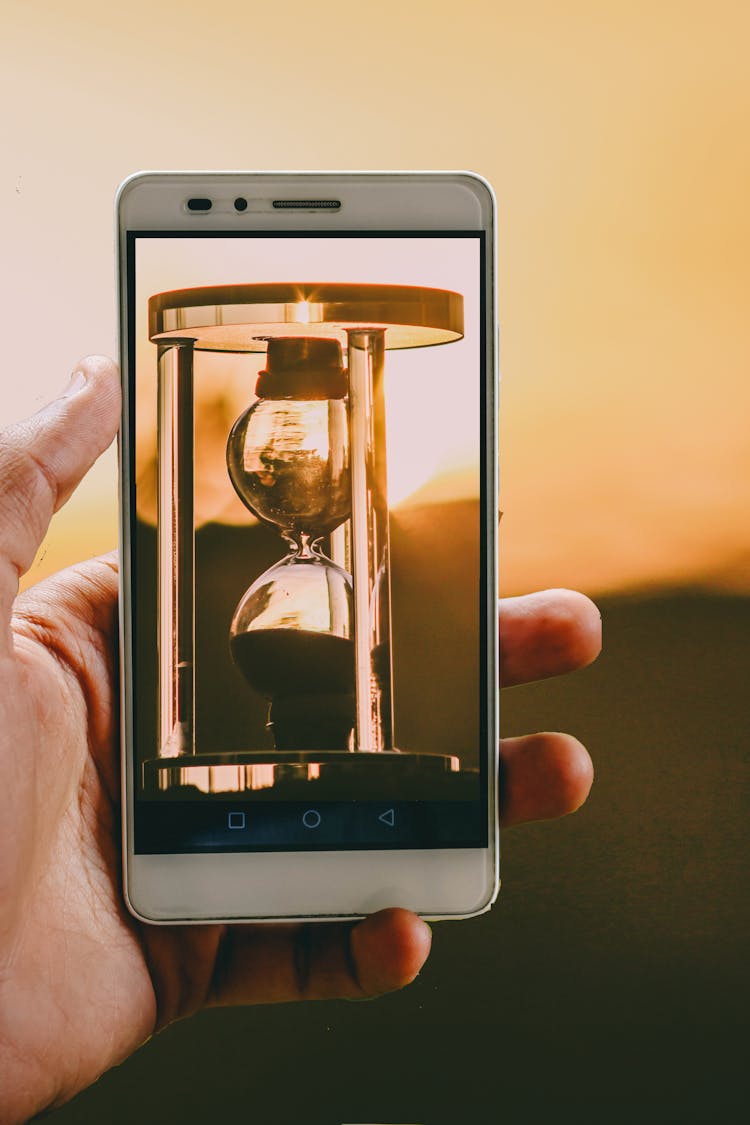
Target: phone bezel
pixel 309 886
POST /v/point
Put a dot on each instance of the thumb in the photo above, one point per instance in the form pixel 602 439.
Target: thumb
pixel 42 460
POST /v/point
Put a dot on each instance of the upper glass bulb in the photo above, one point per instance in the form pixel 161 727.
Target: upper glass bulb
pixel 288 454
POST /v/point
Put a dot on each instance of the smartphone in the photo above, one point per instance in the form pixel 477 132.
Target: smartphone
pixel 308 487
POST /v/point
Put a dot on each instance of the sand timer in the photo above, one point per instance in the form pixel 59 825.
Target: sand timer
pixel 288 459
pixel 307 456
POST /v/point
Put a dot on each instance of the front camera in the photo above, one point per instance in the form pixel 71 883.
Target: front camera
pixel 240 204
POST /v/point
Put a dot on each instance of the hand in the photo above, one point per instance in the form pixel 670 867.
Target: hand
pixel 82 983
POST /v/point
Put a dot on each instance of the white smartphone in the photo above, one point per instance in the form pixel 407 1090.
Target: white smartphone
pixel 308 611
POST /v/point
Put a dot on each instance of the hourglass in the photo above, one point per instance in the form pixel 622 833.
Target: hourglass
pixel 307 457
pixel 288 459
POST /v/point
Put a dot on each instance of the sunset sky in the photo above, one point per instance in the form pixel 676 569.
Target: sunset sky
pixel 616 138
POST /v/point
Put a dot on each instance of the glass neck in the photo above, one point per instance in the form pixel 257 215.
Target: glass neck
pixel 301 544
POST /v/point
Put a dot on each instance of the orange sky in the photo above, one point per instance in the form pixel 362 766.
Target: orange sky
pixel 616 138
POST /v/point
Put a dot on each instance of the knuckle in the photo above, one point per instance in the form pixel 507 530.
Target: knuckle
pixel 28 497
pixel 25 481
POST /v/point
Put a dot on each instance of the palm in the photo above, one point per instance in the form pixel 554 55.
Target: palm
pixel 79 952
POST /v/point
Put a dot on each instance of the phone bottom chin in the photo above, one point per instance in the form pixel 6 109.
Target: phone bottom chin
pixel 286 886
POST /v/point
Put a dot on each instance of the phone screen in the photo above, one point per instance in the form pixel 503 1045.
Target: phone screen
pixel 309 567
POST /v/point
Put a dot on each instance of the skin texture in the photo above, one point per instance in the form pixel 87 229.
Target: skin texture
pixel 82 984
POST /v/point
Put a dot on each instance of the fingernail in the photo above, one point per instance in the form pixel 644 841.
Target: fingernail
pixel 76 383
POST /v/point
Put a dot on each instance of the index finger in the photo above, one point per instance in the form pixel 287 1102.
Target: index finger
pixel 546 634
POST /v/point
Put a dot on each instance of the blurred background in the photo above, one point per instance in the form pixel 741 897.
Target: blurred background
pixel 607 984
